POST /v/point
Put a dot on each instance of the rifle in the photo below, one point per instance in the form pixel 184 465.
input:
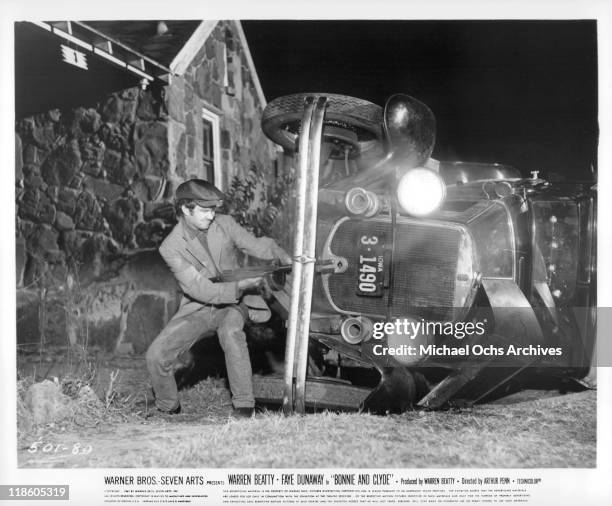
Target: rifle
pixel 274 275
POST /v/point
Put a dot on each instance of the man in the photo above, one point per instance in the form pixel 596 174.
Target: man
pixel 201 245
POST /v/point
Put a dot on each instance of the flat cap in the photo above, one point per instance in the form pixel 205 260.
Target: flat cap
pixel 204 193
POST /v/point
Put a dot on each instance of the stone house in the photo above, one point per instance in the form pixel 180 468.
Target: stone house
pixel 110 118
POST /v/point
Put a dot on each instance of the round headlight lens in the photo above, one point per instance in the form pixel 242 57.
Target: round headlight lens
pixel 420 191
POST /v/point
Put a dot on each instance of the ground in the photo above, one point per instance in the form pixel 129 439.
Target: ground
pixel 527 430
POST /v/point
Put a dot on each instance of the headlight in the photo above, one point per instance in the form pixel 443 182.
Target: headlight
pixel 356 329
pixel 420 191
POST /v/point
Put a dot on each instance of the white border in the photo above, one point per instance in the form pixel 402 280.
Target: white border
pixel 568 486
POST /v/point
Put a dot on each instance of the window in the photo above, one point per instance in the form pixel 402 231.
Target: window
pixel 211 149
pixel 208 150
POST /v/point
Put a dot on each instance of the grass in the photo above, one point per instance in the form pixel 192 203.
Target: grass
pixel 552 432
pixel 557 431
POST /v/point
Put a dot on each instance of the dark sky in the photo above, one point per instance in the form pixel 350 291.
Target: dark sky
pixel 517 92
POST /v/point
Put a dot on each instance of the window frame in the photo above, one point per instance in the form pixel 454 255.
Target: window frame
pixel 214 119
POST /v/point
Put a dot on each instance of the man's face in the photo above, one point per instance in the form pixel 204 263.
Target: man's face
pixel 199 217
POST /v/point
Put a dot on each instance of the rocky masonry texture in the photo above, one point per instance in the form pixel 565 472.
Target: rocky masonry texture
pixel 80 204
pixel 95 184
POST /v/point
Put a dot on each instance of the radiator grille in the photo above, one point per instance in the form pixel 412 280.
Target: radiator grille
pixel 425 261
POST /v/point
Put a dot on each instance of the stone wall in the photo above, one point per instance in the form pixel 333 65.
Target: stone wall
pixel 220 80
pixel 94 187
pixel 91 201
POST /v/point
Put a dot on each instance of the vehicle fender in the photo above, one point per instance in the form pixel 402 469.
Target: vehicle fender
pixel 515 320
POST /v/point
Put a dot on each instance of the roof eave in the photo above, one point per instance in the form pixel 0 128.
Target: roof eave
pixel 199 37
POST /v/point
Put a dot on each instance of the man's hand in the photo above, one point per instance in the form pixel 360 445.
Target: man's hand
pixel 250 283
pixel 284 257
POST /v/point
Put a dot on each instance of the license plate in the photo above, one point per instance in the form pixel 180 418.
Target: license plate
pixel 371 265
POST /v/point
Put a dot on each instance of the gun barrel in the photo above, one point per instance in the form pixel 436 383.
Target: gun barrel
pixel 254 271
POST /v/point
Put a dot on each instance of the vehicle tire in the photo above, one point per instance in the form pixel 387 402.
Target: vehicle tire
pixel 321 392
pixel 282 116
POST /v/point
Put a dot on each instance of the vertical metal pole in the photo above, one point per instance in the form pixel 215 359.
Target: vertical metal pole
pixel 302 178
pixel 308 258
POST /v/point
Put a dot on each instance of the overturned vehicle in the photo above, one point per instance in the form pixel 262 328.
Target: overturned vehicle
pixel 450 279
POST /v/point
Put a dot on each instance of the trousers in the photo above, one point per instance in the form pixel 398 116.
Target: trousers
pixel 181 333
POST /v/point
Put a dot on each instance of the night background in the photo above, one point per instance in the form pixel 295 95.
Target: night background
pixel 517 92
